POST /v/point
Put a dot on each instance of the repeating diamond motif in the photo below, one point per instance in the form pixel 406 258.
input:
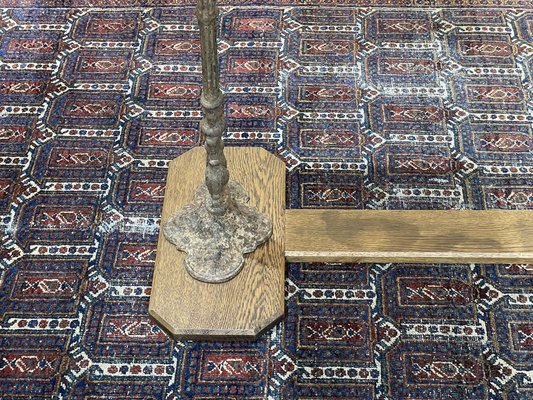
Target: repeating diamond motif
pixel 369 107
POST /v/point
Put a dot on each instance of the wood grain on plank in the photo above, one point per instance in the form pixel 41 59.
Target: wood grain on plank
pixel 244 306
pixel 462 236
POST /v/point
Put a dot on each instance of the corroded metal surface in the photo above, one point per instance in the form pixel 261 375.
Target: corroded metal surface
pixel 217 229
pixel 213 124
pixel 215 244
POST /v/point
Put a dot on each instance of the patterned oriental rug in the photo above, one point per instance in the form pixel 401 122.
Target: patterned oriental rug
pixel 427 108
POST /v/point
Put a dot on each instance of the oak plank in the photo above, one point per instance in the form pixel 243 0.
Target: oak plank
pixel 252 301
pixel 448 236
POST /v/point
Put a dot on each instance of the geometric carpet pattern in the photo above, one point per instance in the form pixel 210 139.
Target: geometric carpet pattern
pixel 370 108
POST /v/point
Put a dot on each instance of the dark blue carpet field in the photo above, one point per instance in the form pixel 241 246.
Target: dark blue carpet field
pixel 370 108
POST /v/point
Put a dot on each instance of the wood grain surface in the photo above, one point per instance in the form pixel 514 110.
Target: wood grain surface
pixel 251 302
pixel 455 236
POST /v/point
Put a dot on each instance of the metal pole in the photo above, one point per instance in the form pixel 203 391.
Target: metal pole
pixel 217 228
pixel 213 124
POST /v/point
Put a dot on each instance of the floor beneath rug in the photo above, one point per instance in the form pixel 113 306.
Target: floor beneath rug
pixel 369 108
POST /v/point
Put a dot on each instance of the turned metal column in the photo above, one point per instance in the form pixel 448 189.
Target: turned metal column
pixel 213 124
pixel 217 228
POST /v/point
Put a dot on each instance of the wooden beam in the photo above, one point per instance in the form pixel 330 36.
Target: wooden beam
pixel 254 299
pixel 455 236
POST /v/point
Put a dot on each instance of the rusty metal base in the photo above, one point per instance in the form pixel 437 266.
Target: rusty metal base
pixel 215 245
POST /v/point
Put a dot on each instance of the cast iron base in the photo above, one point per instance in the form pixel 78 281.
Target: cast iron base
pixel 215 244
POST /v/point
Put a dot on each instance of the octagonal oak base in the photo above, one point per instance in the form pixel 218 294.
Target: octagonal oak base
pixel 251 302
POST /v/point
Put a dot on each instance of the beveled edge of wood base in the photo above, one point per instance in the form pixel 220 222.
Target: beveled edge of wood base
pixel 218 334
pixel 408 257
pixel 253 301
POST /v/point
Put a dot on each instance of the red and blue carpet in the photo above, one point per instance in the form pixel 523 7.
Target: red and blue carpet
pixel 370 107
